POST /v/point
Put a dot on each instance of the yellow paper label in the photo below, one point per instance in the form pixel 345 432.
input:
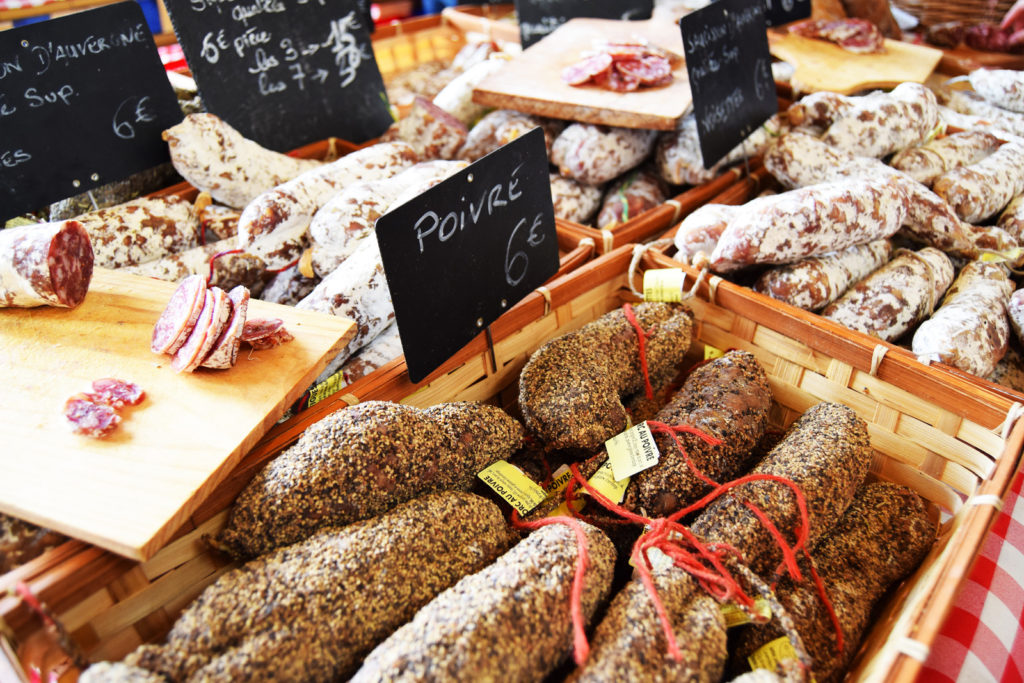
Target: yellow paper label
pixel 559 480
pixel 712 352
pixel 664 284
pixel 1011 255
pixel 563 509
pixel 632 451
pixel 329 386
pixel 769 655
pixel 509 482
pixel 735 615
pixel 605 483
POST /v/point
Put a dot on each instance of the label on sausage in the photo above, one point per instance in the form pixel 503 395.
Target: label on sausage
pixel 771 654
pixel 735 615
pixel 1008 256
pixel 712 352
pixel 509 482
pixel 664 284
pixel 559 480
pixel 632 451
pixel 605 483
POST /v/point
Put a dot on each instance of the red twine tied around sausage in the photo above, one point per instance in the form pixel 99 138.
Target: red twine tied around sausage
pixel 213 259
pixel 706 563
pixel 641 337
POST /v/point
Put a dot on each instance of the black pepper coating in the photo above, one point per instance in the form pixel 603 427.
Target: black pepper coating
pixel 728 398
pixel 312 610
pixel 364 460
pixel 629 644
pixel 826 452
pixel 571 388
pixel 883 536
pixel 508 622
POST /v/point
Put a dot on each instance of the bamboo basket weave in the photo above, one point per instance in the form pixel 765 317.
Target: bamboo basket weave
pixel 931 12
pixel 944 438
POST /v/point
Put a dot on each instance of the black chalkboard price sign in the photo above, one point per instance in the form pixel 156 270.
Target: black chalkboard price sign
pixel 465 251
pixel 729 66
pixel 83 99
pixel 537 18
pixel 778 12
pixel 284 72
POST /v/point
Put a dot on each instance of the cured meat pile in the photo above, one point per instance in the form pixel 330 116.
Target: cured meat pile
pixel 623 67
pixel 859 36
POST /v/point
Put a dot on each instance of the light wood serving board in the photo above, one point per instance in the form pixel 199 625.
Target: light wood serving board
pixel 131 491
pixel 820 65
pixel 532 82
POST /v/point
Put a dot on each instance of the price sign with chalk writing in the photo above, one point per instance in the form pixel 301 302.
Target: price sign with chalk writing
pixel 727 60
pixel 778 12
pixel 83 100
pixel 284 72
pixel 537 18
pixel 468 249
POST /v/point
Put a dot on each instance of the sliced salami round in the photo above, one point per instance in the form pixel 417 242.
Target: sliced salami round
pixel 257 328
pixel 116 393
pixel 214 318
pixel 179 316
pixel 225 349
pixel 49 264
pixel 581 72
pixel 649 70
pixel 89 418
pixel 278 337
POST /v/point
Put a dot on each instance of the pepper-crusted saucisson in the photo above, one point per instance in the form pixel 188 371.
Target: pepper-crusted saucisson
pixel 629 643
pixel 216 158
pixel 980 190
pixel 594 154
pixel 1002 87
pixel 826 452
pixel 895 297
pixel 311 611
pixel 571 387
pixel 728 398
pixel 49 264
pixel 881 538
pixel 886 123
pixel 927 162
pixel 483 627
pixel 141 230
pixel 815 282
pixel 809 221
pixel 970 330
pixel 292 205
pixel 361 461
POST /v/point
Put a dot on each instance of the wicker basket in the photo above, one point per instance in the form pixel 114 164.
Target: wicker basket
pixel 943 437
pixel 931 12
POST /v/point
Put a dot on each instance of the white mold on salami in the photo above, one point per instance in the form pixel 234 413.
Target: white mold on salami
pixel 629 196
pixel 1002 87
pixel 141 230
pixel 428 129
pixel 574 201
pixel 1015 311
pixel 970 330
pixel 972 105
pixel 456 98
pixel 980 190
pixel 883 123
pixel 700 231
pixel 594 154
pixel 925 163
pixel 679 160
pixel 49 264
pixel 290 207
pixel 229 269
pixel 1012 218
pixel 216 158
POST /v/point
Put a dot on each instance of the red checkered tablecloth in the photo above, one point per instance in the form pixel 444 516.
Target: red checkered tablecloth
pixel 983 637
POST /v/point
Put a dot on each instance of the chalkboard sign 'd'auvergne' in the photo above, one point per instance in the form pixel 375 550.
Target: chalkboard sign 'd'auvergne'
pixel 537 18
pixel 284 72
pixel 729 66
pixel 83 99
pixel 467 250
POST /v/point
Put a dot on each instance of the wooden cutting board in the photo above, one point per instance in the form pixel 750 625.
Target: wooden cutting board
pixel 532 81
pixel 130 491
pixel 820 65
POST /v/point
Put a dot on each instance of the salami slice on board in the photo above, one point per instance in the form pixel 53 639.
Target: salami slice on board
pixel 179 317
pixel 225 349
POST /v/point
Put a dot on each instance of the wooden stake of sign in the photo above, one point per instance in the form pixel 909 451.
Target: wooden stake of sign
pixel 285 72
pixel 468 249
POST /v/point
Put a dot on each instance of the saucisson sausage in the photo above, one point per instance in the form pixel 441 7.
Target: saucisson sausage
pixel 897 296
pixel 877 126
pixel 629 196
pixel 229 270
pixel 820 109
pixel 980 190
pixel 574 201
pixel 49 264
pixel 364 460
pixel 815 282
pixel 973 104
pixel 1012 218
pixel 480 628
pixel 814 220
pixel 970 330
pixel 224 353
pixel 141 230
pixel 431 131
pixel 679 160
pixel 180 315
pixel 1015 312
pixel 1002 87
pixel 594 154
pixel 927 162
pixel 216 158
pixel 698 234
pixel 213 320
